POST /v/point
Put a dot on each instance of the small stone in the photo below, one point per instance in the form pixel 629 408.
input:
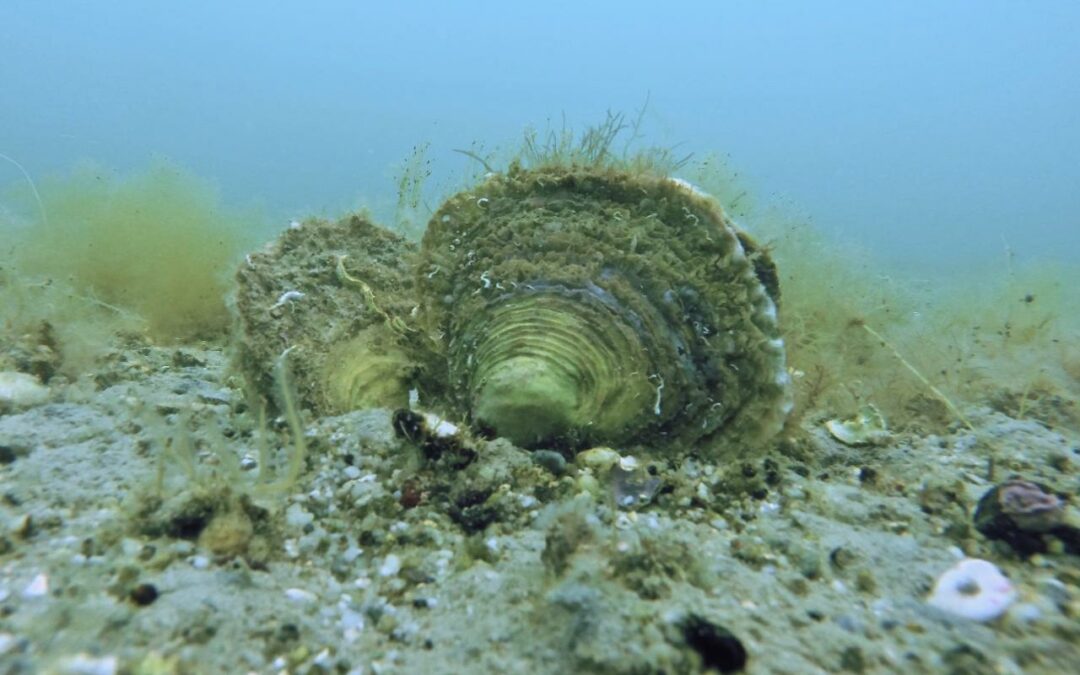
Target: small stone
pixel 7 643
pixel 37 587
pixel 85 664
pixel 1019 512
pixel 19 390
pixel 144 594
pixel 300 596
pixel 598 459
pixel 852 660
pixel 296 516
pixel 554 462
pixel 390 566
pixel 717 646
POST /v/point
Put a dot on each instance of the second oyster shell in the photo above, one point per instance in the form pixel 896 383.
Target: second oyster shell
pixel 337 296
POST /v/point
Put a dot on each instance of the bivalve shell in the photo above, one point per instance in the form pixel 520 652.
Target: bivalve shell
pixel 590 306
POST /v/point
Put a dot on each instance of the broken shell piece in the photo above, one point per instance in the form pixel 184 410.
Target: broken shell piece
pixel 866 428
pixel 20 390
pixel 633 488
pixel 973 589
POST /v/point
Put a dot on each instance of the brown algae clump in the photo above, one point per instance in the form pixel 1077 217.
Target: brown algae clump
pixel 581 306
pixel 156 244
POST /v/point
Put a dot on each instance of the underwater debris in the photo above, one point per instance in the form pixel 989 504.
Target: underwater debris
pixel 867 427
pixel 437 438
pixel 33 187
pixel 633 487
pixel 915 371
pixel 973 589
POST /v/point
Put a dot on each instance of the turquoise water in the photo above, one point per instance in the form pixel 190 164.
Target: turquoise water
pixel 932 132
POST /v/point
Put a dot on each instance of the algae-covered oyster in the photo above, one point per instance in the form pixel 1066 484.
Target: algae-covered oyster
pixel 338 296
pixel 580 306
pixel 562 307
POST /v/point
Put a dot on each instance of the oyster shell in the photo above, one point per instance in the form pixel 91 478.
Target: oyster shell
pixel 339 295
pixel 557 307
pixel 585 306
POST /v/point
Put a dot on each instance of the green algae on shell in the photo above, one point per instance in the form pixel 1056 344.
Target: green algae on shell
pixel 580 306
pixel 340 295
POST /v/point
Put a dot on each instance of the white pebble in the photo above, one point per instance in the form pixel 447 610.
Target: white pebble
pixel 19 390
pixel 296 516
pixel 300 595
pixel 85 664
pixel 391 565
pixel 37 587
pixel 200 562
pixel 350 554
pixel 351 620
pixel 973 589
pixel 7 643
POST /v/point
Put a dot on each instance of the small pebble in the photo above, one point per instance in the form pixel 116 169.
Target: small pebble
pixel 391 565
pixel 144 594
pixel 296 516
pixel 37 587
pixel 85 664
pixel 19 390
pixel 300 595
pixel 7 643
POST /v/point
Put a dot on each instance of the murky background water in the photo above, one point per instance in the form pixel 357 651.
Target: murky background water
pixel 934 134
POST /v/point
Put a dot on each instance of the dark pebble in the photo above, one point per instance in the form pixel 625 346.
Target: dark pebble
pixel 550 460
pixel 717 646
pixel 144 594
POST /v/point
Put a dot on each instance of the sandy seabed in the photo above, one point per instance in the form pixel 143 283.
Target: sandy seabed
pixel 118 555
